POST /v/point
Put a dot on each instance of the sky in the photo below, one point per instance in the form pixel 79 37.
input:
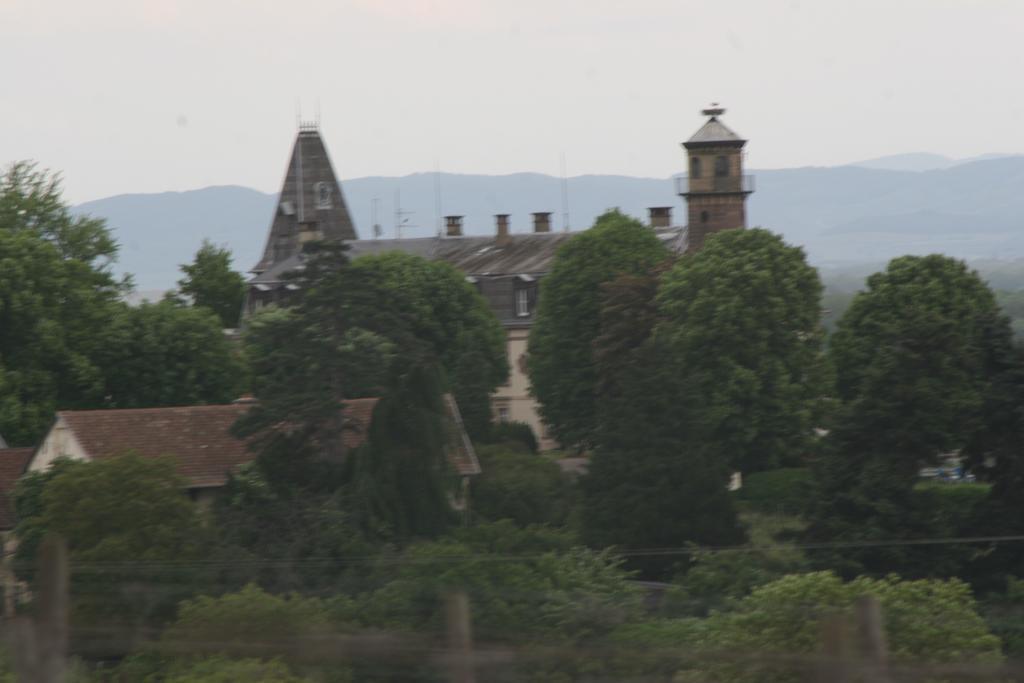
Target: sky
pixel 125 96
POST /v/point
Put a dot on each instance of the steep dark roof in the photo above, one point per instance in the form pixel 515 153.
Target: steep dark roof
pixel 198 437
pixel 13 462
pixel 298 203
pixel 714 132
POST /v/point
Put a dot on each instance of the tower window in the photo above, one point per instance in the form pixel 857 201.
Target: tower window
pixel 323 195
pixel 721 167
pixel 704 216
pixel 695 167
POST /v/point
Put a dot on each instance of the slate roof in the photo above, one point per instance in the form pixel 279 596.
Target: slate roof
pixel 526 253
pixel 459 451
pixel 298 202
pixel 475 255
pixel 198 437
pixel 13 462
pixel 714 132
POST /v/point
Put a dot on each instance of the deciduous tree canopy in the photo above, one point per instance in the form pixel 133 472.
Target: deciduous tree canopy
pixel 57 294
pixel 210 282
pixel 561 361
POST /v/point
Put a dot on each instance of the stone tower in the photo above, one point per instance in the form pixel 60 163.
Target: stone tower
pixel 716 189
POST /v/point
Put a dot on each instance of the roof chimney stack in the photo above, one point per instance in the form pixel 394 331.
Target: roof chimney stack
pixel 661 216
pixel 501 221
pixel 453 226
pixel 542 221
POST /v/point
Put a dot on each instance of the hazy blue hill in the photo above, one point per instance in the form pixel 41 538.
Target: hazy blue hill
pixel 841 215
pixel 917 161
pixel 157 232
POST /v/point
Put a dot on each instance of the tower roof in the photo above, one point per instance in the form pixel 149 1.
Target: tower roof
pixel 714 132
pixel 310 200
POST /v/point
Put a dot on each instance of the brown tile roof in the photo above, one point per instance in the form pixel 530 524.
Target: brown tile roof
pixel 13 462
pixel 198 437
pixel 458 449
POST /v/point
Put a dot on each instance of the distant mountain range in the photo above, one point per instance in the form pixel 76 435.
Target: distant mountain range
pixel 840 215
pixel 923 161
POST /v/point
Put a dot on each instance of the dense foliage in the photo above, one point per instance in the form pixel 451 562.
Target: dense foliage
pixel 746 311
pixel 918 358
pixel 520 485
pixel 562 373
pixel 57 295
pixel 209 282
pixel 167 355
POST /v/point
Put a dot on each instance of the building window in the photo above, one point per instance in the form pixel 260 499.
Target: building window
pixel 522 302
pixel 695 167
pixel 323 195
pixel 503 414
pixel 704 216
pixel 721 167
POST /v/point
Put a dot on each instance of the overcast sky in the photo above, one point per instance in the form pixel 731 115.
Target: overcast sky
pixel 152 95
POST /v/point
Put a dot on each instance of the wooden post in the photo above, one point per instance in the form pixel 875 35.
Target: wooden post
pixel 53 588
pixel 874 648
pixel 460 638
pixel 835 651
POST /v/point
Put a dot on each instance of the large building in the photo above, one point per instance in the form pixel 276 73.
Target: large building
pixel 506 268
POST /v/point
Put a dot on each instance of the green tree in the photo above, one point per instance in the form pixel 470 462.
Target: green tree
pixel 920 358
pixel 447 313
pixel 656 479
pixel 562 372
pixel 128 524
pixel 520 485
pixel 57 294
pixel 927 621
pixel 384 327
pixel 746 310
pixel 211 283
pixel 166 355
pixel 249 616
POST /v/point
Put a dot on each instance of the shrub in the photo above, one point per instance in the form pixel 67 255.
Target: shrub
pixel 514 432
pixel 786 490
pixel 524 487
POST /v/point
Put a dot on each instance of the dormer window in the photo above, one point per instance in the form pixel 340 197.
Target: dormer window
pixel 323 195
pixel 522 302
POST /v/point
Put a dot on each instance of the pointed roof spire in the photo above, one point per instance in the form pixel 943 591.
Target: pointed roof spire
pixel 311 204
pixel 714 131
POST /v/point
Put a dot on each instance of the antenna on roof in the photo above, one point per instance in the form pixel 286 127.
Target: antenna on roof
pixel 374 208
pixel 437 195
pixel 401 220
pixel 565 197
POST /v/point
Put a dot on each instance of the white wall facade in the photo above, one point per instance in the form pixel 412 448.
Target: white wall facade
pixel 59 442
pixel 512 402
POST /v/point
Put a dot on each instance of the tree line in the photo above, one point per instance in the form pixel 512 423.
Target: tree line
pixel 668 372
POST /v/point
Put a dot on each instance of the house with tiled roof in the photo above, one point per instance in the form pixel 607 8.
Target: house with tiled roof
pixel 13 462
pixel 200 441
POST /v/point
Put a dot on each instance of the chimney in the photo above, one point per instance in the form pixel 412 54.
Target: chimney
pixel 501 220
pixel 453 225
pixel 542 221
pixel 661 216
